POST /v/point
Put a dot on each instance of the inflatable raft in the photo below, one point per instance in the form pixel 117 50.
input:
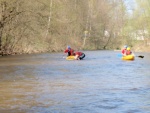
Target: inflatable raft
pixel 70 58
pixel 128 57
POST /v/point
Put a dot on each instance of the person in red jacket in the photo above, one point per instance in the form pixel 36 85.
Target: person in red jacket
pixel 124 50
pixel 79 55
pixel 70 51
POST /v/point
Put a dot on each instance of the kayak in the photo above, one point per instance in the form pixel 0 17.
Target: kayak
pixel 70 58
pixel 128 57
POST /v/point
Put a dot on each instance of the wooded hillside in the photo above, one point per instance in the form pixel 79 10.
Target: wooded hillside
pixel 33 26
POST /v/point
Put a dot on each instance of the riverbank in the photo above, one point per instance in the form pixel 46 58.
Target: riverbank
pixel 134 49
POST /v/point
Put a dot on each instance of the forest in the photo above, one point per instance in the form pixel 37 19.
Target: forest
pixel 35 26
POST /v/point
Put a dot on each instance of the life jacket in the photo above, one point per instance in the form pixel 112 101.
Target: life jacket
pixel 78 53
pixel 69 51
pixel 123 51
pixel 128 52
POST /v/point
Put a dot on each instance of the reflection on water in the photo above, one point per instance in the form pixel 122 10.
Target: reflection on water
pixel 101 83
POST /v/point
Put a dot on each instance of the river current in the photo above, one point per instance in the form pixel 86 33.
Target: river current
pixel 101 83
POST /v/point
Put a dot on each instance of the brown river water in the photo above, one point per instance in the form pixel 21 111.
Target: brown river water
pixel 48 83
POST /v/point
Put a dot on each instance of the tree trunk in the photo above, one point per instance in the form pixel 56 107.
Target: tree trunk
pixel 3 8
pixel 49 20
pixel 1 40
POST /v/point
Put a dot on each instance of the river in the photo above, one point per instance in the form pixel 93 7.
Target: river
pixel 101 83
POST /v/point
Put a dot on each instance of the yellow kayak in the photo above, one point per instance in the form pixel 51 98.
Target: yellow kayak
pixel 128 57
pixel 70 58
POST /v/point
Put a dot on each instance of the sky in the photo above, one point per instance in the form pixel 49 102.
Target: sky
pixel 130 5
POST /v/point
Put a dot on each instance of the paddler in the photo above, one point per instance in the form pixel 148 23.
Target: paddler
pixel 79 55
pixel 69 50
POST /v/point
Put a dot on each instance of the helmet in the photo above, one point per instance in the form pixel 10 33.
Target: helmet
pixel 125 46
pixel 68 47
pixel 128 49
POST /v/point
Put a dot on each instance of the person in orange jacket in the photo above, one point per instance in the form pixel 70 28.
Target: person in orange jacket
pixel 69 50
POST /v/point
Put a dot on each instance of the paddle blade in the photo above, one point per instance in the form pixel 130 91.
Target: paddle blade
pixel 119 55
pixel 141 56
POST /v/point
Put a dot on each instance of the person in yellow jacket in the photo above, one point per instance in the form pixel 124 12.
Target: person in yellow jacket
pixel 128 51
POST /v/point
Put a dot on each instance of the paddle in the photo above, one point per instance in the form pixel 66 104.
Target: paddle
pixel 140 56
pixel 64 56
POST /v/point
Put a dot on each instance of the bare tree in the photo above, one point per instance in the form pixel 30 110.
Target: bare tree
pixel 49 20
